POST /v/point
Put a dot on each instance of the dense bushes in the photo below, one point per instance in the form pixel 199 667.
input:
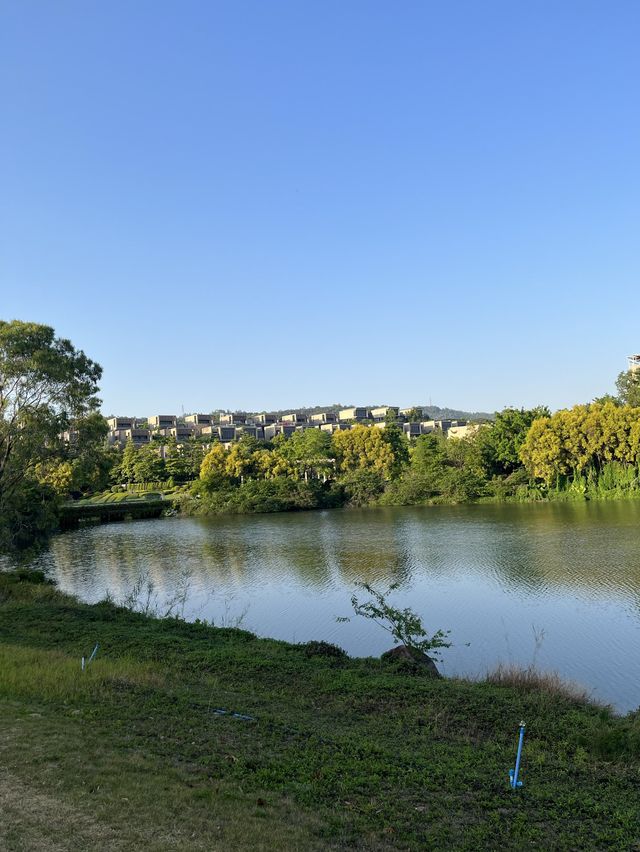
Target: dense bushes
pixel 255 496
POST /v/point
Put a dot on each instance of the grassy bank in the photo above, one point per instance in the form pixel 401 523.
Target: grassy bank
pixel 326 752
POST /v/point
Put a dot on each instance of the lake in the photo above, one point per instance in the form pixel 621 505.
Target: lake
pixel 553 584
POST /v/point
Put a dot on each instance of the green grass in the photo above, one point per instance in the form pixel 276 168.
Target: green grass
pixel 340 753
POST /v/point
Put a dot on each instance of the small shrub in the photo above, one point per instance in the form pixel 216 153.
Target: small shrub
pixel 324 649
pixel 403 624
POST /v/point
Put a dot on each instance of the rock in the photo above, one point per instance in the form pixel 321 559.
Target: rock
pixel 414 660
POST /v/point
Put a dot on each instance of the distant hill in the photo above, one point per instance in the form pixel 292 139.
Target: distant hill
pixel 434 411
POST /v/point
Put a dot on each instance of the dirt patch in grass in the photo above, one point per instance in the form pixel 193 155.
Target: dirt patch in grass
pixel 33 821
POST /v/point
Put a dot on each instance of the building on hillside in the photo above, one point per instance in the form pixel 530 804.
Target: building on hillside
pixel 354 414
pixel 384 412
pixel 405 412
pixel 265 419
pixel 334 427
pixel 199 419
pixel 226 433
pixel 273 429
pixel 162 421
pixel 440 425
pixel 182 433
pixel 234 419
pixel 250 430
pixel 294 417
pixel 323 417
pixel 117 423
pixel 412 430
pixel 138 437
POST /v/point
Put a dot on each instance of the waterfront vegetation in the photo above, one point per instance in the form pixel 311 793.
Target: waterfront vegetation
pixel 327 752
pixel 48 393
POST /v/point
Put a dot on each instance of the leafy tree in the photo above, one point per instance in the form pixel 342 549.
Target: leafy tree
pixel 309 453
pixel 241 462
pixel 213 470
pixel 428 457
pixel 363 448
pixel 127 468
pixel 90 458
pixel 393 435
pixel 45 383
pixel 273 465
pixel 183 461
pixel 362 487
pixel 585 438
pixel 628 386
pixel 149 466
pixel 501 442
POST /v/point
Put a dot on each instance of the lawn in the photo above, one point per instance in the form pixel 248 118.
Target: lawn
pixel 143 750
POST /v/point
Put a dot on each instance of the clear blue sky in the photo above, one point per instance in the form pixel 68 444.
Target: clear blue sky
pixel 269 204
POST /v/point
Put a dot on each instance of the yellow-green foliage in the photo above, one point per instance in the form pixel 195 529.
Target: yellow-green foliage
pixel 585 436
pixel 363 448
pixel 214 463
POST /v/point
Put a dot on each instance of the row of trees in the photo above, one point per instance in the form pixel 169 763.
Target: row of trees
pixel 511 457
pixel 582 439
pixel 180 462
pixel 48 387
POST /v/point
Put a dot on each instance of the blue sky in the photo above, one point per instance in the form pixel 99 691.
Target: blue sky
pixel 271 204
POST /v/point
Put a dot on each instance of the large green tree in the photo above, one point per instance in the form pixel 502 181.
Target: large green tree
pixel 45 385
pixel 500 443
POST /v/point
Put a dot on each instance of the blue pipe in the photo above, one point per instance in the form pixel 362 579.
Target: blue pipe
pixel 513 773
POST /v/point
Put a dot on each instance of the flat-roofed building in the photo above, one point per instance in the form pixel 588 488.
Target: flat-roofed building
pixel 265 419
pixel 116 423
pixel 234 419
pixel 334 427
pixel 441 425
pixel 162 421
pixel 324 417
pixel 385 411
pixel 251 430
pixel 415 409
pixel 354 414
pixel 199 419
pixel 137 436
pixel 273 429
pixel 294 417
pixel 182 433
pixel 226 432
pixel 222 433
pixel 412 430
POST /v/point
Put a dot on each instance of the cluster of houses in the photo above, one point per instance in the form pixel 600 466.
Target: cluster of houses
pixel 227 428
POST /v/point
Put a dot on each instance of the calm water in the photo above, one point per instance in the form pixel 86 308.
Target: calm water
pixel 554 584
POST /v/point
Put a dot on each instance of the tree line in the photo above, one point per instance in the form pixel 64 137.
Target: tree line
pixel 48 389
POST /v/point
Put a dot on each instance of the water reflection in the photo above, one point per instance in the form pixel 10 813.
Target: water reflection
pixel 490 573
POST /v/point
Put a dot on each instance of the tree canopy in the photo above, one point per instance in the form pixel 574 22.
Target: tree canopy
pixel 45 386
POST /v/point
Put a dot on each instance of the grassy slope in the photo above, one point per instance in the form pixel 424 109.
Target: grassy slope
pixel 340 754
